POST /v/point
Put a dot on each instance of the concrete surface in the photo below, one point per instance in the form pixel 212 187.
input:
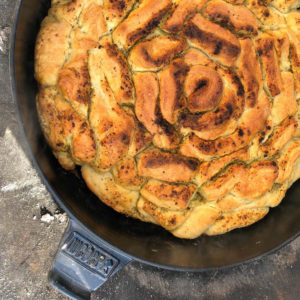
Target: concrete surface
pixel 28 245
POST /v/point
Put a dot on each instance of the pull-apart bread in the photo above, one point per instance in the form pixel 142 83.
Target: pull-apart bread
pixel 182 113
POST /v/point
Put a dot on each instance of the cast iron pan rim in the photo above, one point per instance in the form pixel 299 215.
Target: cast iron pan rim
pixel 66 209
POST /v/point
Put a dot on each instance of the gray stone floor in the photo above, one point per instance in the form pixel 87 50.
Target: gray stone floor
pixel 28 245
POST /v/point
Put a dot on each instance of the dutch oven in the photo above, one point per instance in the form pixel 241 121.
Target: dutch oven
pixel 98 241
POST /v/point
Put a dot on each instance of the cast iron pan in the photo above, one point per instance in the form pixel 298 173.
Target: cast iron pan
pixel 99 241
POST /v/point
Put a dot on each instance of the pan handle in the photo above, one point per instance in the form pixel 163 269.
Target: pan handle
pixel 83 263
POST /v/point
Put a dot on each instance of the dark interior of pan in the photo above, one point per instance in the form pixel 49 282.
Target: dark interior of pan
pixel 144 241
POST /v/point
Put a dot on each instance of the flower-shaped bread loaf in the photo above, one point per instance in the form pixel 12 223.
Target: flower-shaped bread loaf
pixel 182 113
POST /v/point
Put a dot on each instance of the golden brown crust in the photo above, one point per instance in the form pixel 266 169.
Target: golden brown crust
pixel 68 10
pixel 115 10
pixel 64 128
pixel 125 173
pixel 285 5
pixel 164 166
pixel 91 26
pixel 213 124
pixel 116 71
pixel 182 113
pixel 238 17
pixel 113 127
pixel 251 123
pixel 262 174
pixel 168 219
pixel 147 91
pixel 210 168
pixel 229 203
pixel 115 196
pixel 292 20
pixel 269 17
pixel 250 71
pixel 171 98
pixel 50 120
pixel 74 83
pixel 213 39
pixel 141 139
pixel 155 52
pixel 295 58
pixel 282 46
pixel 200 220
pixel 50 50
pixel 224 183
pixel 140 22
pixel 240 218
pixel 281 135
pixel 243 181
pixel 195 57
pixel 181 11
pixel 174 197
pixel 266 51
pixel 92 21
pixel 285 103
pixel 203 88
pixel 77 132
pixel 287 161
